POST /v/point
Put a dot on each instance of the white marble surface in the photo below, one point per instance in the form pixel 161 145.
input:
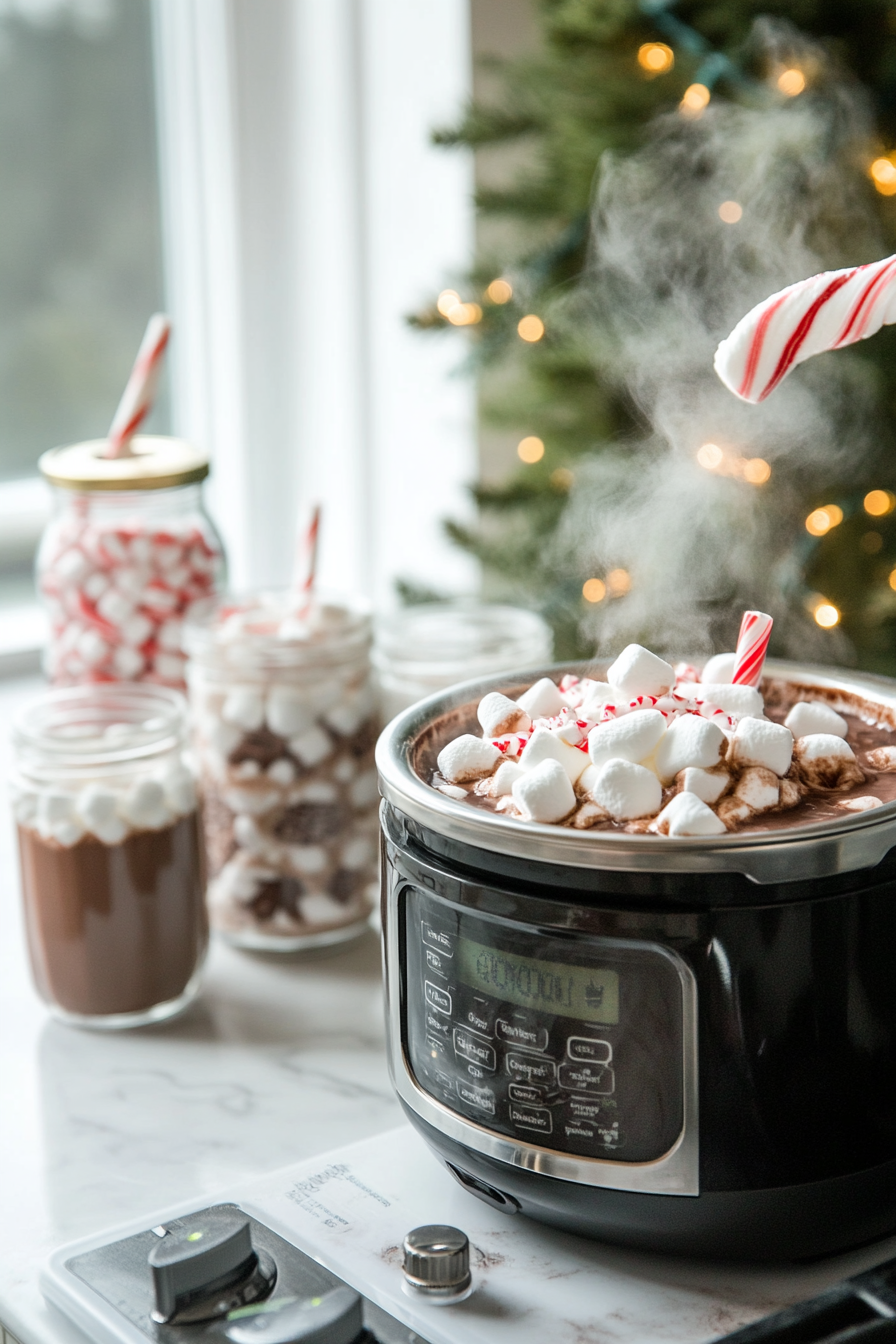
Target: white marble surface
pixel 281 1058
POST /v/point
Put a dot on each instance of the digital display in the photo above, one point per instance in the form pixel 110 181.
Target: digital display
pixel 588 993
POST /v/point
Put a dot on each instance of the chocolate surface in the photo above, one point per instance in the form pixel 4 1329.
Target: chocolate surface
pixel 870 726
pixel 115 928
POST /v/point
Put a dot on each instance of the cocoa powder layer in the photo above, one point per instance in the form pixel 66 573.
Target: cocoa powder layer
pixel 115 928
pixel 870 726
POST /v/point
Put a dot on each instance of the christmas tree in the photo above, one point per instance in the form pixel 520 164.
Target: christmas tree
pixel 683 162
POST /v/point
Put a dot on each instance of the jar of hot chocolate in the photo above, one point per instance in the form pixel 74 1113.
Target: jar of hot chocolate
pixel 128 549
pixel 111 853
pixel 285 727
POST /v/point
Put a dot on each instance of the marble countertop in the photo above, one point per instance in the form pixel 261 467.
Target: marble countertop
pixel 281 1058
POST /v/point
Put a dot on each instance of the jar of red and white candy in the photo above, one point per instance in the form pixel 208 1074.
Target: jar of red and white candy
pixel 285 725
pixel 127 551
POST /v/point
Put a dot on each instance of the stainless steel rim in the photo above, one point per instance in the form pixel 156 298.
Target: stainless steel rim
pixel 859 840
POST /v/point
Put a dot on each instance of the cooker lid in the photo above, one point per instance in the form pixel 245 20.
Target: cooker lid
pixel 785 854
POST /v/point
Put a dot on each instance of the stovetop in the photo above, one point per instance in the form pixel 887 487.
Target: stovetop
pixel 349 1211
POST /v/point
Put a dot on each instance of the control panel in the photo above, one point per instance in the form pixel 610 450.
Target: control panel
pixel 573 1043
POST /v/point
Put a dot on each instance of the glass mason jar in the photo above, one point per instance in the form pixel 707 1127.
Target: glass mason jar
pixel 128 549
pixel 111 854
pixel 285 727
pixel 423 649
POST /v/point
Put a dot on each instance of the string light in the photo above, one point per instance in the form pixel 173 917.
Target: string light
pixel 655 58
pixel 619 582
pixel 755 470
pixel 457 313
pixel 871 543
pixel 883 175
pixel 879 502
pixel 710 456
pixel 826 615
pixel 892 579
pixel 730 212
pixel 594 590
pixel 562 478
pixel 694 100
pixel 447 300
pixel 821 521
pixel 530 449
pixel 500 291
pixel 530 328
pixel 791 82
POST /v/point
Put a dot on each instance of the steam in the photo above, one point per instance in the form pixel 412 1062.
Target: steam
pixel 667 280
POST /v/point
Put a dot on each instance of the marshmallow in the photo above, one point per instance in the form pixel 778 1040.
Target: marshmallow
pixel 54 809
pixel 96 805
pixel 498 715
pixel 741 701
pixel 637 671
pixel 545 793
pixel 114 607
pixel 144 805
pixel 67 833
pixel 759 742
pixel 864 804
pixel 882 759
pixel 365 789
pixel 357 853
pixel 345 718
pixel 179 788
pixel 452 791
pixel 790 795
pixel 317 908
pixel 222 737
pixel 542 700
pixel 688 741
pixel 631 738
pixel 813 717
pixel 255 800
pixel 281 771
pixel 309 859
pixel 468 757
pixel 171 636
pixel 111 831
pixel 759 788
pixel 311 747
pixel 247 770
pixel 545 745
pixel 626 790
pixel 686 814
pixel 720 668
pixel 286 714
pixel 136 629
pixel 128 662
pixel 707 786
pixel 316 791
pixel 826 762
pixel 244 708
pixel 503 778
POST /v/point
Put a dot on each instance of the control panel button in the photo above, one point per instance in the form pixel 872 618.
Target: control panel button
pixel 475 1049
pixel 584 1109
pixel 437 939
pixel 437 1026
pixel 479 1017
pixel 524 1092
pixel 481 1097
pixel 522 1031
pixel 438 998
pixel 531 1117
pixel 597 1078
pixel 583 1047
pixel 531 1069
pixel 437 961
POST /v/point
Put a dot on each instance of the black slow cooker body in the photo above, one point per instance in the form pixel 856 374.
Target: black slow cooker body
pixel 792 1137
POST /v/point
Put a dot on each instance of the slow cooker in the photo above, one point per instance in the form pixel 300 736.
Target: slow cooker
pixel 684 1045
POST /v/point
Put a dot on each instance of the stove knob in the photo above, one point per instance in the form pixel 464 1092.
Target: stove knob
pixel 332 1318
pixel 206 1267
pixel 437 1261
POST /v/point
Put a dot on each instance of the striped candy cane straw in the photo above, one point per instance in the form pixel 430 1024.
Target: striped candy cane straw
pixel 306 590
pixel 752 643
pixel 824 312
pixel 136 402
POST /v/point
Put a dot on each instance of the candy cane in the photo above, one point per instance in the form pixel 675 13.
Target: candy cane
pixel 824 312
pixel 306 589
pixel 138 396
pixel 752 643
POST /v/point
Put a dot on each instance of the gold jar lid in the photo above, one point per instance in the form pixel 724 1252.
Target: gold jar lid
pixel 154 463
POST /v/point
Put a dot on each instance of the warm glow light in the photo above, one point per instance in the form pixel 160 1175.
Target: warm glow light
pixel 619 581
pixel 730 212
pixel 826 615
pixel 791 82
pixel 530 327
pixel 562 478
pixel 500 291
pixel 447 300
pixel 821 521
pixel 871 543
pixel 464 314
pixel 879 502
pixel 594 590
pixel 530 449
pixel 655 58
pixel 883 175
pixel 694 99
pixel 756 470
pixel 892 579
pixel 710 456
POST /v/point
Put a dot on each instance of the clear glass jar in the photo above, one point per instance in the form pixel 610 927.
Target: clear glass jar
pixel 129 548
pixel 285 727
pixel 111 853
pixel 423 649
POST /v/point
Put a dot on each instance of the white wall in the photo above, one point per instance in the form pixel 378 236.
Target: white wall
pixel 306 214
